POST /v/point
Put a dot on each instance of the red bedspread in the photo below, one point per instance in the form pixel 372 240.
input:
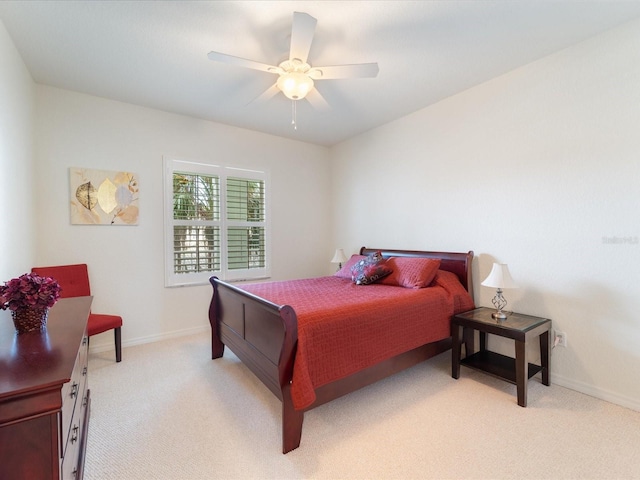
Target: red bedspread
pixel 344 328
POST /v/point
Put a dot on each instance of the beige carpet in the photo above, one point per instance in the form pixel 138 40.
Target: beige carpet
pixel 168 411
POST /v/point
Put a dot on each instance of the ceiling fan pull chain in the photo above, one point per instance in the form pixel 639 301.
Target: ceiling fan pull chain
pixel 293 114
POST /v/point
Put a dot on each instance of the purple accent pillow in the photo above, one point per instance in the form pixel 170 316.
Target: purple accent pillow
pixel 345 271
pixel 370 269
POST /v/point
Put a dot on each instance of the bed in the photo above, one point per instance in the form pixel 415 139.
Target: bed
pixel 308 352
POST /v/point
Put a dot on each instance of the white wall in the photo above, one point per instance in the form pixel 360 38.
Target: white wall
pixel 534 169
pixel 17 245
pixel 126 262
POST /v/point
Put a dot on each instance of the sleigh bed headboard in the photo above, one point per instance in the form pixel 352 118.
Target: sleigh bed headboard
pixel 457 263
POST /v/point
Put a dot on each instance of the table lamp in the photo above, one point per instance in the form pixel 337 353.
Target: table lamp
pixel 339 257
pixel 499 278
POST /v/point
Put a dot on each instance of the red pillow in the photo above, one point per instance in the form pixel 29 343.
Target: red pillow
pixel 345 271
pixel 411 272
pixel 462 301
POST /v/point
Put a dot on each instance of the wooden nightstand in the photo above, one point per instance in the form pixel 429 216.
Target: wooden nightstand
pixel 516 326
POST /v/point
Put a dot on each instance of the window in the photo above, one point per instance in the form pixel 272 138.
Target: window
pixel 216 223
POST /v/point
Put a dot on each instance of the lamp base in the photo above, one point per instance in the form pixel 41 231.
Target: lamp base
pixel 499 315
pixel 499 302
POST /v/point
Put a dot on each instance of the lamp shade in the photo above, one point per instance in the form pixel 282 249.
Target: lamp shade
pixel 499 277
pixel 339 256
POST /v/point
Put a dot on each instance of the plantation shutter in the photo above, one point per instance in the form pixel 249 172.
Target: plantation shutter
pixel 216 223
pixel 196 230
pixel 246 245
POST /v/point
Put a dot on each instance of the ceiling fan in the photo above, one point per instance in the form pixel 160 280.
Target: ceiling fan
pixel 295 75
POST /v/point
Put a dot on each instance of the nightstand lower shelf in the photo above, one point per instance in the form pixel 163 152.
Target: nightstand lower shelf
pixel 497 365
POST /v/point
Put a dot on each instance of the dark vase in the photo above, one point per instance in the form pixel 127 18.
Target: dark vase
pixel 30 319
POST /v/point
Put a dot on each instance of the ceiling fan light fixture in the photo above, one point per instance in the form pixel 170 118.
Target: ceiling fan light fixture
pixel 295 85
pixel 295 76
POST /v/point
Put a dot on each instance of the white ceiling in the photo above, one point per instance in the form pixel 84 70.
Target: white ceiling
pixel 154 53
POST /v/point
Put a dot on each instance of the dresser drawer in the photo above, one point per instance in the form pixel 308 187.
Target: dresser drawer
pixel 77 435
pixel 73 393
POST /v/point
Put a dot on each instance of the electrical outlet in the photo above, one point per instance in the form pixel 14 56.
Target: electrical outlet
pixel 561 339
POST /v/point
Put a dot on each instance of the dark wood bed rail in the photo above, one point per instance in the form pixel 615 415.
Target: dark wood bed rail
pixel 264 336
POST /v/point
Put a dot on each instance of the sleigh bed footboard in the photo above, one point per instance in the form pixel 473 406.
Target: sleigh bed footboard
pixel 263 336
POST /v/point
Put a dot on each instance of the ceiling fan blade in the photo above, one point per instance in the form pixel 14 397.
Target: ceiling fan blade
pixel 302 30
pixel 268 94
pixel 359 70
pixel 317 100
pixel 243 62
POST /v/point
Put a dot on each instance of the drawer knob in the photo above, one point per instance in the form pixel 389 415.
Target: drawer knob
pixel 74 389
pixel 84 371
pixel 74 436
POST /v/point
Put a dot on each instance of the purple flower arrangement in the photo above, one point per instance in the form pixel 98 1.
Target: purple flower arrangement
pixel 29 291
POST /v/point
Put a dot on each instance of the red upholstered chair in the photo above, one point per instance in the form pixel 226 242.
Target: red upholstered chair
pixel 74 282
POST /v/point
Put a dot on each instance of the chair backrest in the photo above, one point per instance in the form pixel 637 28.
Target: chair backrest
pixel 73 279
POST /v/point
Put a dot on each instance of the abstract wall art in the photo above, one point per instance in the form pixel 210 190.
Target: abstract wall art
pixel 102 197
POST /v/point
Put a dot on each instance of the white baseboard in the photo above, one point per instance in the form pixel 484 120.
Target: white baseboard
pixel 587 389
pixel 103 347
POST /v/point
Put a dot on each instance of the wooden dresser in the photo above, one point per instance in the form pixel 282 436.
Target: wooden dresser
pixel 44 396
